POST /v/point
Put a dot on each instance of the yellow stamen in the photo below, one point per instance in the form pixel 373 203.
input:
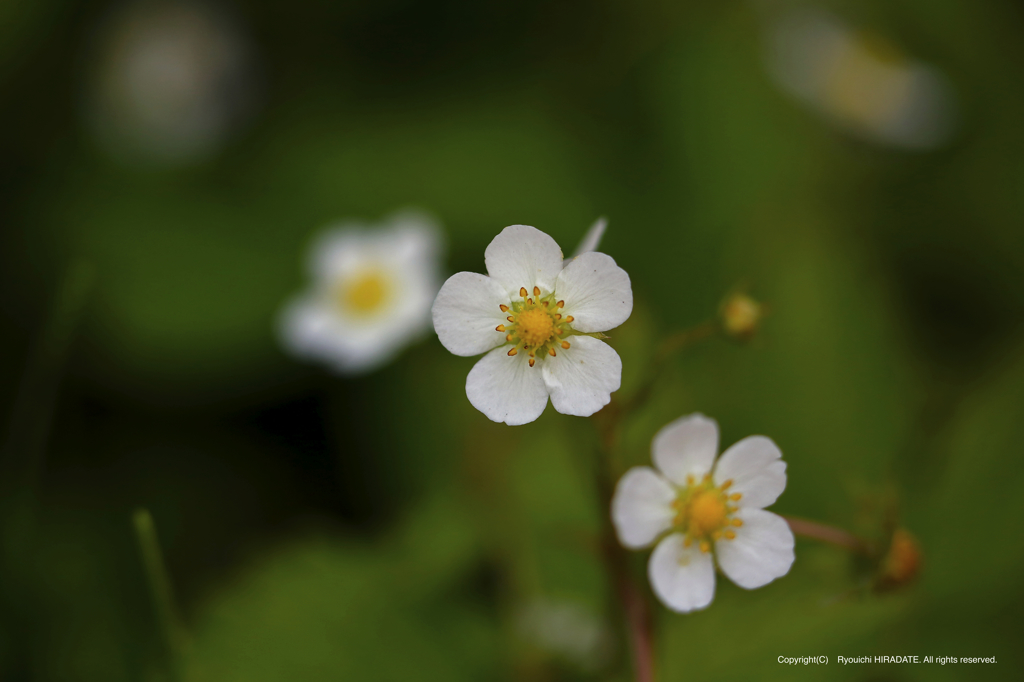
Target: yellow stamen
pixel 736 497
pixel 523 292
pixel 512 352
pixel 570 318
pixel 500 328
pixel 532 361
pixel 736 522
pixel 561 304
pixel 705 546
pixel 730 535
pixel 565 344
pixel 536 291
pixel 508 337
pixel 511 319
pixel 725 486
pixel 551 352
pixel 504 308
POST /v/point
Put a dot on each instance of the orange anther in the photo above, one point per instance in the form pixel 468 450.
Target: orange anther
pixel 565 344
pixel 512 352
pixel 523 292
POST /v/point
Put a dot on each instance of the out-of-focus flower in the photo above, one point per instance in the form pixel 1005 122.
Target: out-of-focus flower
pixel 860 83
pixel 371 293
pixel 537 322
pixel 901 564
pixel 568 630
pixel 741 316
pixel 705 512
pixel 171 81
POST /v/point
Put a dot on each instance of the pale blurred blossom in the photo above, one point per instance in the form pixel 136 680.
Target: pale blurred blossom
pixel 170 82
pixel 568 630
pixel 370 294
pixel 860 82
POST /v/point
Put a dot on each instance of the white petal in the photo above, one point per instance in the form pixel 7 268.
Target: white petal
pixel 466 313
pixel 310 329
pixel 682 577
pixel 761 551
pixel 581 379
pixel 506 389
pixel 756 469
pixel 596 292
pixel 686 447
pixel 642 507
pixel 592 239
pixel 523 256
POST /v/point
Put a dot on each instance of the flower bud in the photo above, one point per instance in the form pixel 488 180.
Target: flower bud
pixel 741 316
pixel 901 564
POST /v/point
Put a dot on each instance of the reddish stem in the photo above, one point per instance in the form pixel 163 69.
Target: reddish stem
pixel 829 534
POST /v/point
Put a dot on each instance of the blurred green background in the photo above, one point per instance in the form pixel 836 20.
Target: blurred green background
pixel 379 528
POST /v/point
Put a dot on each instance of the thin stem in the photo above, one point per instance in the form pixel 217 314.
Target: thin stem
pixel 829 534
pixel 671 345
pixel 24 450
pixel 159 587
pixel 632 601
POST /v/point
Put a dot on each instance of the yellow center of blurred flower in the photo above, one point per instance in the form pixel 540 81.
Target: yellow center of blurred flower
pixel 703 512
pixel 707 512
pixel 364 293
pixel 535 325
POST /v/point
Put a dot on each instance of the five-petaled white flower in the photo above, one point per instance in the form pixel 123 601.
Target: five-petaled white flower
pixel 702 509
pixel 534 318
pixel 371 293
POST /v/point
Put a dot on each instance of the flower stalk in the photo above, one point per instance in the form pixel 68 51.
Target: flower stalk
pixel 160 589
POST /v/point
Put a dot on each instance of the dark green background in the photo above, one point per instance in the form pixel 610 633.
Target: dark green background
pixel 379 528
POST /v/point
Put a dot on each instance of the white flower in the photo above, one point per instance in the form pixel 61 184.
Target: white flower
pixel 171 82
pixel 371 293
pixel 534 318
pixel 861 84
pixel 705 512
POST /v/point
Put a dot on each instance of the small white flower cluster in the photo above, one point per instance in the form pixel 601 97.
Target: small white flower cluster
pixel 537 317
pixel 701 511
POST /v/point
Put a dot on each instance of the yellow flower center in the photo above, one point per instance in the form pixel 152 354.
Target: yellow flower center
pixel 363 293
pixel 535 325
pixel 707 512
pixel 703 512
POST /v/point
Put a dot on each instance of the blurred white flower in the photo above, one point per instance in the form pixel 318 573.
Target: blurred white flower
pixel 171 81
pixel 569 630
pixel 536 321
pixel 704 512
pixel 860 83
pixel 371 293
